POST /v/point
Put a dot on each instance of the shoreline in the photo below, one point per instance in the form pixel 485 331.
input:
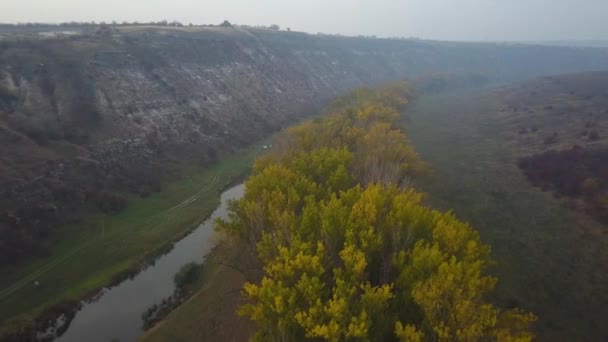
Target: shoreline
pixel 17 329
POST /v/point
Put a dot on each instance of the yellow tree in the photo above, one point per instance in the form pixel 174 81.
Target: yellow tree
pixel 344 248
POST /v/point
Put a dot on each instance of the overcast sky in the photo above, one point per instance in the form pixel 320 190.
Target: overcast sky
pixel 513 20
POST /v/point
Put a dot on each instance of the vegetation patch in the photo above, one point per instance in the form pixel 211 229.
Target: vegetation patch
pixel 341 246
pixel 578 174
pixel 186 281
pixel 101 249
pixel 548 260
pixel 210 313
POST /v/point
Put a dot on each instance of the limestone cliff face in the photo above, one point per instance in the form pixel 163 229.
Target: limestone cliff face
pixel 85 118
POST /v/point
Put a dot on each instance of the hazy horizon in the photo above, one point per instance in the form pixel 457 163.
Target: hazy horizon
pixel 476 20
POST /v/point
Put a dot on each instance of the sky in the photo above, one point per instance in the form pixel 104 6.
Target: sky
pixel 478 20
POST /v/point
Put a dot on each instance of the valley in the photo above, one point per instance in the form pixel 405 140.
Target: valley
pixel 117 142
pixel 103 250
pixel 549 259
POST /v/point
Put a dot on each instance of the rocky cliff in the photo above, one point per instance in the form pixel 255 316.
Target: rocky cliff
pixel 87 118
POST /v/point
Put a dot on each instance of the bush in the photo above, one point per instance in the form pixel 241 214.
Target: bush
pixel 111 202
pixel 186 275
pixel 575 173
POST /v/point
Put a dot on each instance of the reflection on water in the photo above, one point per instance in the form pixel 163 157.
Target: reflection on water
pixel 116 315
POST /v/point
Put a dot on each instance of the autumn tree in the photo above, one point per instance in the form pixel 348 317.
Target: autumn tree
pixel 344 248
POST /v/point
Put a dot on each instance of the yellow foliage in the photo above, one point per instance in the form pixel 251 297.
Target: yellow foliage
pixel 346 247
pixel 408 333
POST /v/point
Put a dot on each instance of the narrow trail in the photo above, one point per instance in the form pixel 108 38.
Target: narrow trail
pixel 6 292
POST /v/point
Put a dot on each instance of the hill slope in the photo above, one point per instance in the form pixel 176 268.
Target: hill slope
pixel 87 118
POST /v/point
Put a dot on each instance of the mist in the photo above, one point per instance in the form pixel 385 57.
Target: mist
pixel 471 20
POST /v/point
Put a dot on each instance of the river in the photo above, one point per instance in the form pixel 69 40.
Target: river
pixel 116 314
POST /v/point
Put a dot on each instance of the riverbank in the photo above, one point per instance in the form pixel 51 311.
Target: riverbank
pixel 210 314
pixel 101 250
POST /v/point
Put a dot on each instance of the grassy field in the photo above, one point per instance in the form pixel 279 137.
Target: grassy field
pixel 543 261
pixel 102 247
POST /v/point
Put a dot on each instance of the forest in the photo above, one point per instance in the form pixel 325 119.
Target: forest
pixel 340 245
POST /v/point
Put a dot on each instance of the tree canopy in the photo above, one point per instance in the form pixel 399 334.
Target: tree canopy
pixel 345 248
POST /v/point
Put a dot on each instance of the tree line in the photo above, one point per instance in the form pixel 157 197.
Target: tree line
pixel 343 247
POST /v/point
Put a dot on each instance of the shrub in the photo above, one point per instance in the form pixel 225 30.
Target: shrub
pixel 111 202
pixel 186 275
pixel 572 173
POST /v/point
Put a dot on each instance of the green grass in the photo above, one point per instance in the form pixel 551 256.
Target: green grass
pixel 101 247
pixel 543 264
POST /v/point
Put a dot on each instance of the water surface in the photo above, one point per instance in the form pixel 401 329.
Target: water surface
pixel 116 315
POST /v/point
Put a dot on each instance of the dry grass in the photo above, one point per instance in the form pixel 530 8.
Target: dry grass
pixel 211 313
